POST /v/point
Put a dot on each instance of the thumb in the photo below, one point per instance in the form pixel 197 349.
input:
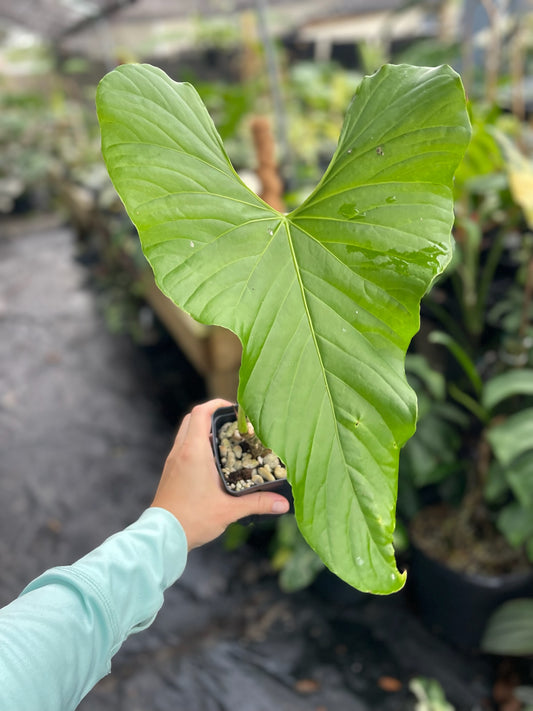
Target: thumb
pixel 263 502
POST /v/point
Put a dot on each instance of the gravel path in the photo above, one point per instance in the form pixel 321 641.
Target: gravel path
pixel 82 442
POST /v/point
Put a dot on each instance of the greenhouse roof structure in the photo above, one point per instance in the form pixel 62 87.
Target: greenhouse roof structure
pixel 56 19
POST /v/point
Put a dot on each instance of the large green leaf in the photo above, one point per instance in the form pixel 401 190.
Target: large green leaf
pixel 325 300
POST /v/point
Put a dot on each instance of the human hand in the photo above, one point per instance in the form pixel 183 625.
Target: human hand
pixel 190 486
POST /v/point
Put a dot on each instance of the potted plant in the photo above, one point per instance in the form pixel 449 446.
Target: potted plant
pixel 473 452
pixel 242 460
pixel 325 300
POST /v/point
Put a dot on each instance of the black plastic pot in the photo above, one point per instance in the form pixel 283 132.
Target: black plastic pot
pixel 281 486
pixel 456 605
pixel 335 591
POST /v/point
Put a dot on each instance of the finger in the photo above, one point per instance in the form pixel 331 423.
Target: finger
pixel 201 415
pixel 183 431
pixel 264 502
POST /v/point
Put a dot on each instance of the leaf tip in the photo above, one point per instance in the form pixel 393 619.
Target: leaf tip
pixel 393 584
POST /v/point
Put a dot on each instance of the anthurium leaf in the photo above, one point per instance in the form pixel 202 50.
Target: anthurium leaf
pixel 325 300
pixel 519 475
pixel 512 437
pixel 513 382
pixel 516 523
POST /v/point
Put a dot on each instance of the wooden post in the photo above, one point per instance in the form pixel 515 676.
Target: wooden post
pixel 267 170
pixel 216 352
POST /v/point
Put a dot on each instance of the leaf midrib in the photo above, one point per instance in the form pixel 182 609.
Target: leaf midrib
pixel 286 223
pixel 347 467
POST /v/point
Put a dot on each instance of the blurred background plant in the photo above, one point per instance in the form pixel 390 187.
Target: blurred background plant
pixel 429 695
pixel 510 630
pixel 471 365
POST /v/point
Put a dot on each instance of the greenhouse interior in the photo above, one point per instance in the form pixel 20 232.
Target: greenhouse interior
pixel 266 282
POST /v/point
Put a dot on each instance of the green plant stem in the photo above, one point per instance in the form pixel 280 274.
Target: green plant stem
pixel 464 280
pixel 242 422
pixel 487 276
pixel 469 403
pixel 473 509
pixel 461 356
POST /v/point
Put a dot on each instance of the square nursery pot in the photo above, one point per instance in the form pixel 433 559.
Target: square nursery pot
pixel 228 414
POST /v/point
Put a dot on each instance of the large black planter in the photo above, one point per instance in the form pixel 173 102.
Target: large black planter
pixel 457 605
pixel 335 591
pixel 281 486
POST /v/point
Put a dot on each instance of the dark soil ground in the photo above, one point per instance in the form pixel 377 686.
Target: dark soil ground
pixel 83 436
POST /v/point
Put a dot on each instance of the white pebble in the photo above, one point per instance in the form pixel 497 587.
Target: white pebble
pixel 271 460
pixel 248 462
pixel 266 473
pixel 280 472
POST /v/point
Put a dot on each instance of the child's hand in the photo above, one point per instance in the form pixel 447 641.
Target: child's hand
pixel 190 486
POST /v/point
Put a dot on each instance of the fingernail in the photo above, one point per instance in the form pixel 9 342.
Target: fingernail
pixel 279 506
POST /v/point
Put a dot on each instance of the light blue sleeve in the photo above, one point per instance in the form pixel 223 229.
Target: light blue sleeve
pixel 58 637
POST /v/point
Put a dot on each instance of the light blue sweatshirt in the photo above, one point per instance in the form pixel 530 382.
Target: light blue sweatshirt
pixel 58 637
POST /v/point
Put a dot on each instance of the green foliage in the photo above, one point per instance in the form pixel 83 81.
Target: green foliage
pixel 489 223
pixel 429 695
pixel 297 562
pixel 505 385
pixel 524 694
pixel 235 536
pixel 514 436
pixel 435 452
pixel 509 631
pixel 230 106
pixel 476 442
pixel 430 52
pixel 218 31
pixel 319 93
pixel 25 150
pixel 44 135
pixel 432 455
pixel 483 164
pixel 325 300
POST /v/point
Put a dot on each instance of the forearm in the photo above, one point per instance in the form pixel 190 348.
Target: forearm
pixel 58 637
